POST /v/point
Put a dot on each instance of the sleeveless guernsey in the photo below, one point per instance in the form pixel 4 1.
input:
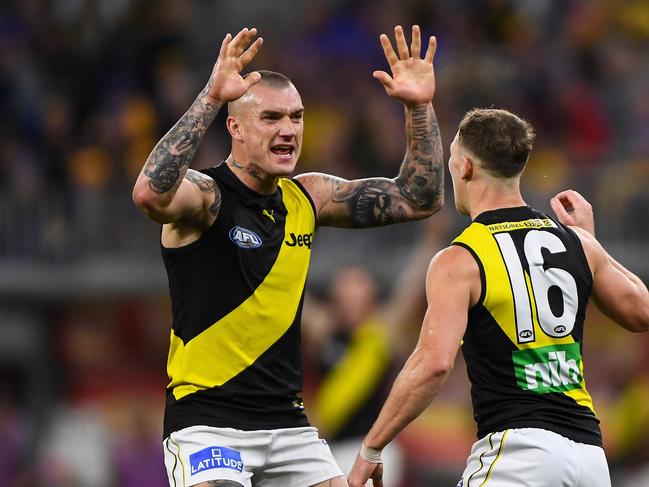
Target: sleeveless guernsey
pixel 236 293
pixel 523 343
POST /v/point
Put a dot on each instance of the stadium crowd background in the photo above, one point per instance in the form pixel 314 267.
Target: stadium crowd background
pixel 88 86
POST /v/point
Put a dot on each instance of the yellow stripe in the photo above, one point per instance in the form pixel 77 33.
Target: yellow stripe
pixel 173 469
pixel 180 459
pixel 234 342
pixel 468 482
pixel 354 378
pixel 499 298
pixel 500 450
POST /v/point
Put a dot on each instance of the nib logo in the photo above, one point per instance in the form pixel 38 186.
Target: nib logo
pixel 556 368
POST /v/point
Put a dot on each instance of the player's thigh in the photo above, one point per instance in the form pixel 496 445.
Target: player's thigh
pixel 299 458
pixel 593 465
pixel 516 457
pixel 201 454
pixel 335 482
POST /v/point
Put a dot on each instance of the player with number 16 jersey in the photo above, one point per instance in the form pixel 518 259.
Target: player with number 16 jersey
pixel 523 340
pixel 512 291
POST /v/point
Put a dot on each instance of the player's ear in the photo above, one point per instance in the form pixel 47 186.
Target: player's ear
pixel 234 127
pixel 466 169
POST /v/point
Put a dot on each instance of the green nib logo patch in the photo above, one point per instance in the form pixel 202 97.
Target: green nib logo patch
pixel 556 368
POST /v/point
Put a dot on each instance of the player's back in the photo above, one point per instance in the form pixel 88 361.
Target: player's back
pixel 524 337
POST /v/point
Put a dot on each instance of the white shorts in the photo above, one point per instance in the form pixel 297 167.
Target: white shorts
pixel 288 457
pixel 534 457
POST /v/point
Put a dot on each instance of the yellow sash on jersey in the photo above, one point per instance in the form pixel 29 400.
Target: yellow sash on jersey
pixel 238 339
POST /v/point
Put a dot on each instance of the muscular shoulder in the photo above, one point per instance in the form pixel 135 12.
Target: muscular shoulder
pixel 319 186
pixel 455 261
pixel 203 181
pixel 199 202
pixel 452 269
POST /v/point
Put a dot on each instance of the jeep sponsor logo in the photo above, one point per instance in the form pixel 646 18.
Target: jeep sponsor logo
pixel 555 368
pixel 300 240
pixel 244 238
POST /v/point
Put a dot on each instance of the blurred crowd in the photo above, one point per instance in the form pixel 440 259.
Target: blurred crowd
pixel 87 87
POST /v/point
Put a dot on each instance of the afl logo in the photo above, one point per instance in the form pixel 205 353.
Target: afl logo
pixel 525 334
pixel 244 238
pixel 559 329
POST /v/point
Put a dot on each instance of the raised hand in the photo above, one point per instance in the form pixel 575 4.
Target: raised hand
pixel 226 83
pixel 413 79
pixel 572 209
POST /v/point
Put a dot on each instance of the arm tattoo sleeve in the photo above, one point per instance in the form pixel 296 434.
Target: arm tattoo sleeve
pixel 370 202
pixel 421 179
pixel 207 185
pixel 417 191
pixel 169 160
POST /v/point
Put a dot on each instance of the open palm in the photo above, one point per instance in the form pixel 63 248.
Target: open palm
pixel 413 78
pixel 226 83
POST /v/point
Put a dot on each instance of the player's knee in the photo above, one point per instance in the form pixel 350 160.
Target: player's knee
pixel 219 483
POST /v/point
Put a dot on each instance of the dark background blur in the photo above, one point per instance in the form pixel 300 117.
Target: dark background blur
pixel 87 87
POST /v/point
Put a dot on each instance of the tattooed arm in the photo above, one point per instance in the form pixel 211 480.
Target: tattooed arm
pixel 418 190
pixel 166 189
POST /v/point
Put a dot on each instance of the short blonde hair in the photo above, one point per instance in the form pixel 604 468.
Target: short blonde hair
pixel 501 140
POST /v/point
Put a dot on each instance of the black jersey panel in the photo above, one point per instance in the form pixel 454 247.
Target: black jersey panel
pixel 223 268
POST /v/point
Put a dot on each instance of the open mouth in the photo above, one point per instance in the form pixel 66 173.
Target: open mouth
pixel 285 151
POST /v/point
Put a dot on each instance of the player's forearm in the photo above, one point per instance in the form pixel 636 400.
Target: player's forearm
pixel 639 319
pixel 168 162
pixel 413 390
pixel 620 294
pixel 421 178
pixel 635 280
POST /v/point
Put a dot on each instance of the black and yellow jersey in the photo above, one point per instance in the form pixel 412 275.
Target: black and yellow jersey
pixel 236 293
pixel 523 342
